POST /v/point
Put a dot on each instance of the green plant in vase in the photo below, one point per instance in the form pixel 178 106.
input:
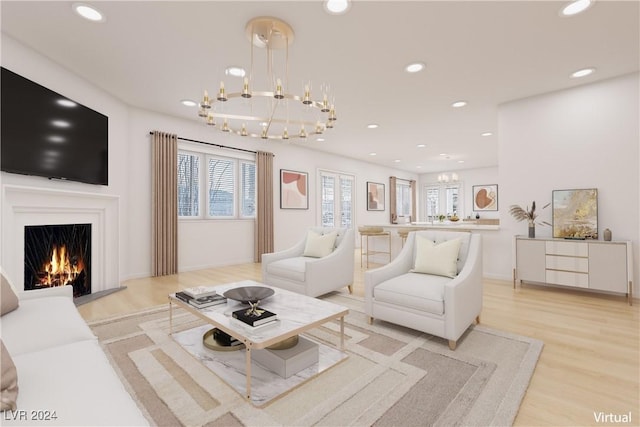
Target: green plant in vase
pixel 529 215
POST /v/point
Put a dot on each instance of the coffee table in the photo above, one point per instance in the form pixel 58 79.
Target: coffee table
pixel 296 314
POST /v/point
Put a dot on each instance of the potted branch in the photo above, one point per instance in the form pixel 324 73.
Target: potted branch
pixel 529 215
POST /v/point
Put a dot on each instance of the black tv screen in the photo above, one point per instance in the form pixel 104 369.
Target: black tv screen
pixel 47 134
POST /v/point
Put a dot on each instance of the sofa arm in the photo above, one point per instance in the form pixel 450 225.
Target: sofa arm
pixel 324 274
pixel 463 295
pixel 295 251
pixel 55 291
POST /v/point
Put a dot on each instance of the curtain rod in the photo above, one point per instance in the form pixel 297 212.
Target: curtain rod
pixel 214 145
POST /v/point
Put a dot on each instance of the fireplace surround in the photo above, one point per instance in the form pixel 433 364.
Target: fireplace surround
pixel 24 207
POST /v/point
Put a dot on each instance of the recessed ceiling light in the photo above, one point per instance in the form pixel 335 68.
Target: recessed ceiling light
pixel 414 67
pixel 372 126
pixel 396 161
pixel 373 154
pixel 460 161
pixel 421 145
pixel 88 12
pixel 487 134
pixel 235 71
pixel 575 7
pixel 320 139
pixel 443 154
pixel 188 103
pixel 418 167
pixel 582 73
pixel 336 7
pixel 459 104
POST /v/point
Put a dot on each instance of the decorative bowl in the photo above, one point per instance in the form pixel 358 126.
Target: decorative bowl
pixel 249 294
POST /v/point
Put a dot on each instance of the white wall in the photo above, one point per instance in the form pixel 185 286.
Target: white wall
pixel 585 137
pixel 43 71
pixel 203 244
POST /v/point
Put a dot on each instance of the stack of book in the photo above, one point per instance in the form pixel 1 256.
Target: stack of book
pixel 201 297
pixel 225 339
pixel 263 318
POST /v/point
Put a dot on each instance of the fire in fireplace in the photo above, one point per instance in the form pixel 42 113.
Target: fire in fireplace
pixel 58 255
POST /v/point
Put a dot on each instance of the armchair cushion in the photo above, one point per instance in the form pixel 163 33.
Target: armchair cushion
pixel 319 245
pixel 412 290
pixel 440 259
pixel 289 268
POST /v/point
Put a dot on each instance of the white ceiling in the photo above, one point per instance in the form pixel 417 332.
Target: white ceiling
pixel 153 54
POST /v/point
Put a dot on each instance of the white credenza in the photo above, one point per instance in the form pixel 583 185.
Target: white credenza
pixel 589 264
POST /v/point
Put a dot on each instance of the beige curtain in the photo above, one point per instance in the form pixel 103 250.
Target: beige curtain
pixel 264 205
pixel 392 199
pixel 412 183
pixel 164 149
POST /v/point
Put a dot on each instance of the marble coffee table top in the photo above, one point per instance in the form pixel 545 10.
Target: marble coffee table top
pixel 296 314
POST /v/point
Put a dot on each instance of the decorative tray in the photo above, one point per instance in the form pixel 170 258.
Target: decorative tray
pixel 249 294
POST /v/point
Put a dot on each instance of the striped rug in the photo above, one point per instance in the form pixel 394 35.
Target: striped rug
pixel 394 376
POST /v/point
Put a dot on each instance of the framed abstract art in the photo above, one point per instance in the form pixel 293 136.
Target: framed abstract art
pixel 294 189
pixel 575 213
pixel 485 197
pixel 375 196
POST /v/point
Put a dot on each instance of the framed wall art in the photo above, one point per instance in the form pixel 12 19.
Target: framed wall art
pixel 485 197
pixel 294 189
pixel 575 213
pixel 375 196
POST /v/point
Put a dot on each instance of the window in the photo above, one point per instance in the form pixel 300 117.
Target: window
pixel 188 184
pixel 443 199
pixel 403 198
pixel 336 199
pixel 230 186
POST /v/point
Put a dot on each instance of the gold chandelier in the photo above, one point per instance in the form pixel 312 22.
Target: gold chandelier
pixel 272 112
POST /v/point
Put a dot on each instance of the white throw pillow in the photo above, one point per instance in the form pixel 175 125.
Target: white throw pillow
pixel 440 259
pixel 319 245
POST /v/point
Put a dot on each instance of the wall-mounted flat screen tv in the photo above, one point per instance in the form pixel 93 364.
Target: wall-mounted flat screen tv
pixel 46 134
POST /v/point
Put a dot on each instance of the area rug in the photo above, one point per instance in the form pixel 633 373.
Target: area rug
pixel 393 376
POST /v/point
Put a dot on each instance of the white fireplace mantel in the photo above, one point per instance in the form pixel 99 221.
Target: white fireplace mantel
pixel 24 206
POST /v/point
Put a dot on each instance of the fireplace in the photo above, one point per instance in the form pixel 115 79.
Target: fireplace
pixel 58 255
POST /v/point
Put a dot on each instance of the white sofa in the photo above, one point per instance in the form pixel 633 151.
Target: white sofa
pixel 64 377
pixel 291 270
pixel 435 304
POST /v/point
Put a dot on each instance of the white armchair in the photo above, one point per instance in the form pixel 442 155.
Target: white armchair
pixel 431 303
pixel 312 276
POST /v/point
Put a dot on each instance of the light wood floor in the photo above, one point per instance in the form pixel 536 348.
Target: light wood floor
pixel 589 364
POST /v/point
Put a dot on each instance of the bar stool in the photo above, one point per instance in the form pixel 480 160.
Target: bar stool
pixel 369 232
pixel 404 232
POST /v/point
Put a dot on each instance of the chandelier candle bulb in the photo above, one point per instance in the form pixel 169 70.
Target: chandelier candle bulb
pixel 278 94
pixel 307 95
pixel 221 95
pixel 210 120
pixel 245 88
pixel 243 132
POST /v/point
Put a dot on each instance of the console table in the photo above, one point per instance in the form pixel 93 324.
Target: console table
pixel 587 264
